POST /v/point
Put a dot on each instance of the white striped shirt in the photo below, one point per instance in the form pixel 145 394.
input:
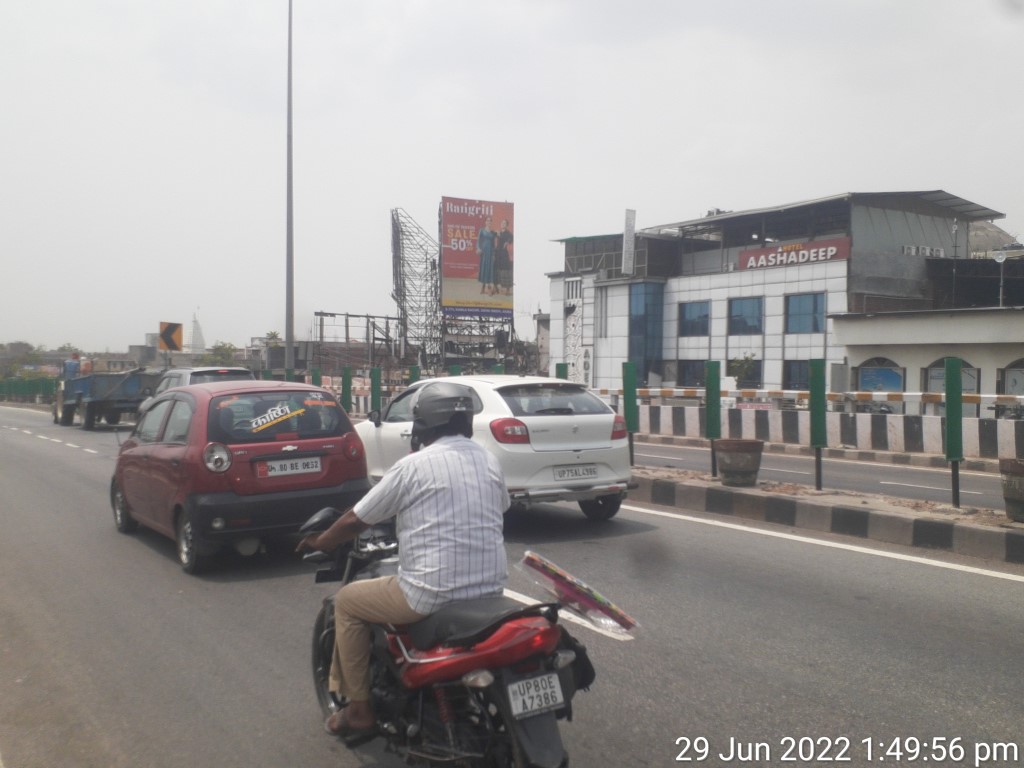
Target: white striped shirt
pixel 449 500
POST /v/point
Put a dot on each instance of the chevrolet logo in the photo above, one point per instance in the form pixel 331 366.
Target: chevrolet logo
pixel 290 448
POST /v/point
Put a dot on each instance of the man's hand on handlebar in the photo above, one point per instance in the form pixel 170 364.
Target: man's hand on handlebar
pixel 345 528
pixel 310 543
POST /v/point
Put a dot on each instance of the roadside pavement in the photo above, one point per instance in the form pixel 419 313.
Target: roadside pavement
pixel 972 532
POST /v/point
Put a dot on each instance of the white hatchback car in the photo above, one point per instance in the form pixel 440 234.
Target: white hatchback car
pixel 555 440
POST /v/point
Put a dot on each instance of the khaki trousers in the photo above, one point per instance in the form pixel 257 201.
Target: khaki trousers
pixel 356 606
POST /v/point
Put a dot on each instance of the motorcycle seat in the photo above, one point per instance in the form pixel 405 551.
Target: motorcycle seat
pixel 466 622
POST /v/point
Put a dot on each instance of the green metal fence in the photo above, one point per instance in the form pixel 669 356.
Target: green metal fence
pixel 27 390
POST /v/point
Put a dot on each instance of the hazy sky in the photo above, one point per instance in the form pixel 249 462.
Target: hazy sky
pixel 142 142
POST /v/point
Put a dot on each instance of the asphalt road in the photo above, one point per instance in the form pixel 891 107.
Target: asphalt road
pixel 977 489
pixel 111 656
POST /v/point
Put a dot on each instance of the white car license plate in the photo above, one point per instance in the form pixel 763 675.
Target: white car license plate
pixel 535 695
pixel 576 472
pixel 288 467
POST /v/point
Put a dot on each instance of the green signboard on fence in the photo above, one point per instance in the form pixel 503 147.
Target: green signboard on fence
pixel 713 400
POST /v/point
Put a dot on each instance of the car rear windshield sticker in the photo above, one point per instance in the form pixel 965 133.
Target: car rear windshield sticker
pixel 275 415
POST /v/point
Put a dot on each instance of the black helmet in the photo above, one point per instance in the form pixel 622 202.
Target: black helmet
pixel 442 408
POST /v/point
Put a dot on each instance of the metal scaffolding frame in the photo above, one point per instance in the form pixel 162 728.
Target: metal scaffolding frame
pixel 417 287
pixel 359 342
pixel 420 335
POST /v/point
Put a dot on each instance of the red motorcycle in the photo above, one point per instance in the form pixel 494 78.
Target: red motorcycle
pixel 480 683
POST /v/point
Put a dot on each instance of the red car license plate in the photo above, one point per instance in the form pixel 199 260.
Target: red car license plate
pixel 288 467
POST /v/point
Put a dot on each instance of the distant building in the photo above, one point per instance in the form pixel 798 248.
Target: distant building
pixel 542 321
pixel 883 286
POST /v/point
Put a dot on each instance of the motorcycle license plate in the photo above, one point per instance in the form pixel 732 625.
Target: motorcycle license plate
pixel 534 695
pixel 288 467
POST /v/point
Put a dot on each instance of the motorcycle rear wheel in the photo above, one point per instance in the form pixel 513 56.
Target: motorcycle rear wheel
pixel 323 652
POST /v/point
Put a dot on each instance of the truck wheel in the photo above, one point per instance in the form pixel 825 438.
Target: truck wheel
pixel 112 418
pixel 67 415
pixel 88 416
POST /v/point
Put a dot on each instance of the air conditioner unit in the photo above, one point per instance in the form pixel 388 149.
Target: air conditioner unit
pixel 909 250
pixel 924 250
pixel 939 252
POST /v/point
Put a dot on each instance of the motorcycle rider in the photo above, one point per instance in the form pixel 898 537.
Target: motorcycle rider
pixel 448 501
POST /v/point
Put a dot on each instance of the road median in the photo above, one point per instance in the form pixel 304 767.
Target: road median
pixel 970 531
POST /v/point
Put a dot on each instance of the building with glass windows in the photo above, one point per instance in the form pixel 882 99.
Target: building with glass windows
pixel 882 286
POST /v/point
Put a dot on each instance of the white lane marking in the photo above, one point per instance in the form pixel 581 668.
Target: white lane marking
pixel 566 616
pixel 52 440
pixel 926 487
pixel 830 544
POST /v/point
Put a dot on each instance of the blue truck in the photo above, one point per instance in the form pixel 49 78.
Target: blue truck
pixel 100 395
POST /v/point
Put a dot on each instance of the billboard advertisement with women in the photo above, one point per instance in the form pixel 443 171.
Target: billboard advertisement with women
pixel 476 258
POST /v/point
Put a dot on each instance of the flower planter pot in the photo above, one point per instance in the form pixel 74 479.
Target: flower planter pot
pixel 1012 471
pixel 739 461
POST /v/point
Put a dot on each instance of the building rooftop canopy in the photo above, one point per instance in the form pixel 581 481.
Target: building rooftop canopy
pixel 962 209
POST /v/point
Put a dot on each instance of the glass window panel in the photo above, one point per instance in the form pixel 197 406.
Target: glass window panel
pixel 694 318
pixel 746 316
pixel 805 313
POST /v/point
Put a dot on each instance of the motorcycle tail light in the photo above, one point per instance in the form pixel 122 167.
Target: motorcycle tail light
pixel 217 457
pixel 478 678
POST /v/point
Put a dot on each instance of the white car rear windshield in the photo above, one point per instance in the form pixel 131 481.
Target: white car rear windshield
pixel 551 400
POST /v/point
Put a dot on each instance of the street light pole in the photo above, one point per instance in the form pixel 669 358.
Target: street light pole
pixel 289 302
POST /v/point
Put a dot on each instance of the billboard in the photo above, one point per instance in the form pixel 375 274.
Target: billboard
pixel 476 258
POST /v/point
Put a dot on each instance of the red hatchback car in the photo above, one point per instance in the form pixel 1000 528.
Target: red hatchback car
pixel 235 463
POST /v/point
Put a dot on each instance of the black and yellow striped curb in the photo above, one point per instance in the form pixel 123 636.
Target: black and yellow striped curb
pixel 890 524
pixel 926 460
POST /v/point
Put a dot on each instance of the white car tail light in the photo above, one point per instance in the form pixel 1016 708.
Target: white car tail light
pixel 510 431
pixel 619 431
pixel 217 457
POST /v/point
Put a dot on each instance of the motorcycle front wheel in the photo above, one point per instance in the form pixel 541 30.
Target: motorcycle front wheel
pixel 323 652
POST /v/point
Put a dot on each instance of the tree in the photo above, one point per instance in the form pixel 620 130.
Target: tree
pixel 746 369
pixel 221 353
pixel 17 354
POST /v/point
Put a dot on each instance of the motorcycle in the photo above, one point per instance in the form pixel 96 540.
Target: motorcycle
pixel 479 683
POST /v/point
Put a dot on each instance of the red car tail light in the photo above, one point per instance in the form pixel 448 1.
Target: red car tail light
pixel 619 431
pixel 353 447
pixel 217 457
pixel 510 431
